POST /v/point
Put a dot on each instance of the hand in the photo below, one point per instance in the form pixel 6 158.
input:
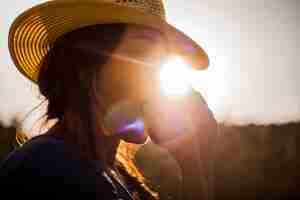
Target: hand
pixel 173 121
pixel 187 129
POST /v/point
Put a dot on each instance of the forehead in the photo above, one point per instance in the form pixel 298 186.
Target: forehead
pixel 141 30
pixel 128 39
pixel 143 43
pixel 143 38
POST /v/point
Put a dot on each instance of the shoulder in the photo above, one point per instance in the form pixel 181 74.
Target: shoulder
pixel 45 155
pixel 44 164
pixel 37 148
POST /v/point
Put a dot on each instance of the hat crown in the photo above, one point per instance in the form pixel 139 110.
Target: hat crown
pixel 153 7
pixel 32 34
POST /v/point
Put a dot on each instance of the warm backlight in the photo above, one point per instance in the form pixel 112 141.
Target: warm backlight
pixel 176 77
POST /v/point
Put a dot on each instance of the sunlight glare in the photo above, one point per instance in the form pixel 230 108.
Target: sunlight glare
pixel 176 77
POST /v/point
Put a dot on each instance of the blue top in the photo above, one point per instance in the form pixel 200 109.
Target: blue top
pixel 44 166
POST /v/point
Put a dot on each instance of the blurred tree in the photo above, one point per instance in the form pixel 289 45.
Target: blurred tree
pixel 258 162
pixel 253 162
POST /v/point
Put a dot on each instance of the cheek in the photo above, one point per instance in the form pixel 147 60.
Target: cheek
pixel 110 84
pixel 145 82
pixel 122 80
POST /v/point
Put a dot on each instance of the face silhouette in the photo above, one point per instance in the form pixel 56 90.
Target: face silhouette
pixel 129 78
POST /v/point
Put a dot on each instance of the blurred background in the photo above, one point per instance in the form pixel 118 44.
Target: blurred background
pixel 252 86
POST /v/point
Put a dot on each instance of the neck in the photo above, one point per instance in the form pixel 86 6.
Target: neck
pixel 103 149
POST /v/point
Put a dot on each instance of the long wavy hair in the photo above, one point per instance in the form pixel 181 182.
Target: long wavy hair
pixel 66 80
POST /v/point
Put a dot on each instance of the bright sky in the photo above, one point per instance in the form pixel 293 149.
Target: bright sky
pixel 253 47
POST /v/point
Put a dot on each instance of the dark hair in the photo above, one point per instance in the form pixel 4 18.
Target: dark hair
pixel 66 80
pixel 59 75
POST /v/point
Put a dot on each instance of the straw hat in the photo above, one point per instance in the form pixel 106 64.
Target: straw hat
pixel 34 31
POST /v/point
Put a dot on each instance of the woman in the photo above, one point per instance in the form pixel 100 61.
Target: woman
pixel 99 74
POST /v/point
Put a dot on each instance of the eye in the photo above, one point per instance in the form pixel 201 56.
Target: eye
pixel 141 50
pixel 140 57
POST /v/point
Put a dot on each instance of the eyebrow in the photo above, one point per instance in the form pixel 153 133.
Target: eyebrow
pixel 153 36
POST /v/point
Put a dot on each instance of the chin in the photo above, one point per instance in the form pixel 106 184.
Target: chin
pixel 135 138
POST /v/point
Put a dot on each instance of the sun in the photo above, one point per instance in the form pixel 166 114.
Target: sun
pixel 178 78
pixel 175 77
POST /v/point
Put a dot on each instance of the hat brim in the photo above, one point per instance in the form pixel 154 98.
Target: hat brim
pixel 33 32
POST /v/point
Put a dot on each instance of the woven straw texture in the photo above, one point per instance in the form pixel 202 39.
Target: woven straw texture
pixel 34 31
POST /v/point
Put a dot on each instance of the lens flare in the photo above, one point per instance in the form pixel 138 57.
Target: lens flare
pixel 136 126
pixel 124 117
pixel 176 77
